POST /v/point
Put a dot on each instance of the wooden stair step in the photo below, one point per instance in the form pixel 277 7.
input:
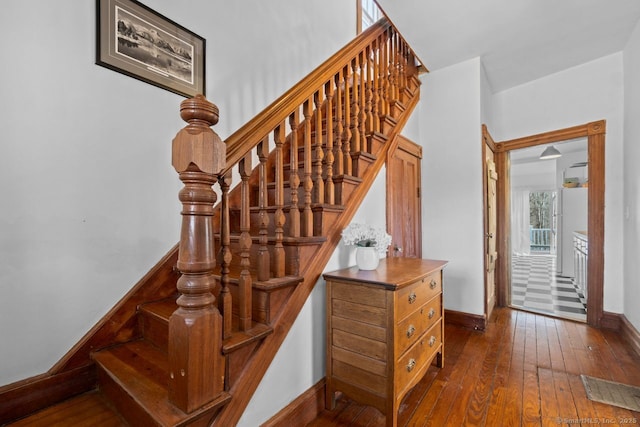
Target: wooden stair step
pixel 134 376
pixel 87 410
pixel 240 339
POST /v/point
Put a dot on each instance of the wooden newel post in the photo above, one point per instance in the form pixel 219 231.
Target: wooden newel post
pixel 196 364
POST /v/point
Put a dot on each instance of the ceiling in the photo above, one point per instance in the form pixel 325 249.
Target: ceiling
pixel 532 154
pixel 517 40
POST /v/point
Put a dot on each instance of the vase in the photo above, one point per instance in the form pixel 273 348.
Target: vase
pixel 367 258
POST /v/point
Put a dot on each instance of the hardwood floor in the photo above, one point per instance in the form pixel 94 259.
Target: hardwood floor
pixel 523 370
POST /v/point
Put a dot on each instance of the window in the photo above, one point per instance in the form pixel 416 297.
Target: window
pixel 368 13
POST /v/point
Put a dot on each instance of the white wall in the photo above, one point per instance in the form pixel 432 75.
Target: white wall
pixel 535 175
pixel 631 209
pixel 589 92
pixel 486 98
pixel 89 195
pixel 450 132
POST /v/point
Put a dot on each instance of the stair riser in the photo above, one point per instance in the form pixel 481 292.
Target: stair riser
pixel 154 330
pixel 124 403
pixel 265 304
pixel 136 415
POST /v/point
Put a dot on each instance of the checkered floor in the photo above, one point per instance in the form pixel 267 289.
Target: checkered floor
pixel 536 287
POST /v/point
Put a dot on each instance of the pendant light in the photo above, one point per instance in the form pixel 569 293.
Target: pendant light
pixel 550 153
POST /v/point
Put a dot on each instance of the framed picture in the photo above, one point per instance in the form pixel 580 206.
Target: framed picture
pixel 139 42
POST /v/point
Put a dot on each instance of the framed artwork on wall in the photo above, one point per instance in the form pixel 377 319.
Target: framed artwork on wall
pixel 139 42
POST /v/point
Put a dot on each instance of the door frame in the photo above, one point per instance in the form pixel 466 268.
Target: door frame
pixel 488 144
pixel 595 134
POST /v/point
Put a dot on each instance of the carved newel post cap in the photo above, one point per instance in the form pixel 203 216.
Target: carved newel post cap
pixel 197 145
pixel 199 108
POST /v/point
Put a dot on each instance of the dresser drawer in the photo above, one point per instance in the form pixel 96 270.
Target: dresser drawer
pixel 411 366
pixel 411 328
pixel 415 295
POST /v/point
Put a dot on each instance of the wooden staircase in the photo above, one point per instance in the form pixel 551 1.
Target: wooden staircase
pixel 194 352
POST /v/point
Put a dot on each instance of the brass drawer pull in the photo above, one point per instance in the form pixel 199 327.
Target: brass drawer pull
pixel 410 331
pixel 432 313
pixel 432 341
pixel 433 284
pixel 412 297
pixel 411 365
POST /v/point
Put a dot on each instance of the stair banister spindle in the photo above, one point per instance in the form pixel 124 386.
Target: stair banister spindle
pixel 307 213
pixel 403 69
pixel 245 281
pixel 294 177
pixel 329 188
pixel 369 126
pixel 346 136
pixel 225 303
pixel 339 128
pixel 362 101
pixel 355 108
pixel 394 67
pixel 382 78
pixel 279 218
pixel 375 70
pixel 196 364
pixel 264 258
pixel 318 154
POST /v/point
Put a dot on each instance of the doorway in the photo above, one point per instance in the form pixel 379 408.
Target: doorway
pixel 548 206
pixel 404 218
pixel 594 132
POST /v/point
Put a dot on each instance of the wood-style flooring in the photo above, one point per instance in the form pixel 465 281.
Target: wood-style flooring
pixel 523 370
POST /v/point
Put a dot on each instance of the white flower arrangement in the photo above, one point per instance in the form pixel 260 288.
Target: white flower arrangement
pixel 366 236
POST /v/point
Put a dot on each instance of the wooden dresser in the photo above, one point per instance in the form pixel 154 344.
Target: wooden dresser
pixel 384 329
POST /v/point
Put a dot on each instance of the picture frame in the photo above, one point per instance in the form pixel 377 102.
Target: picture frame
pixel 135 40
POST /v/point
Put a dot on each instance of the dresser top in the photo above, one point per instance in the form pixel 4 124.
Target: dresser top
pixel 392 273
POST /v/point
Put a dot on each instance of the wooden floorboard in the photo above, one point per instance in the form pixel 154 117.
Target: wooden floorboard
pixel 524 369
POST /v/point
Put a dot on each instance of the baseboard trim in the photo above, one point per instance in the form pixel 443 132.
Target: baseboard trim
pixel 22 398
pixel 612 321
pixel 304 409
pixel 630 334
pixel 619 323
pixel 466 320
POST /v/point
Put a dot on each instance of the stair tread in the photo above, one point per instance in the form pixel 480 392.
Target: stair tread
pixel 142 370
pixel 86 410
pixel 241 338
pixel 162 309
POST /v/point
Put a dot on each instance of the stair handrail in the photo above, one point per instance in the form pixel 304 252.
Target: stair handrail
pixel 250 134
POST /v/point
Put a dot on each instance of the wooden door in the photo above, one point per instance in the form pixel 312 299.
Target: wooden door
pixel 491 222
pixel 404 221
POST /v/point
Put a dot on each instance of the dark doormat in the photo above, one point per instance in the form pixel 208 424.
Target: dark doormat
pixel 613 393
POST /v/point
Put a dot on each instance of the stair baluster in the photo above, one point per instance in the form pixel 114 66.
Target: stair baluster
pixel 329 112
pixel 375 85
pixel 355 114
pixel 264 258
pixel 393 72
pixel 245 281
pixel 294 178
pixel 362 101
pixel 384 81
pixel 346 135
pixel 369 95
pixel 279 218
pixel 307 214
pixel 225 303
pixel 339 164
pixel 318 154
